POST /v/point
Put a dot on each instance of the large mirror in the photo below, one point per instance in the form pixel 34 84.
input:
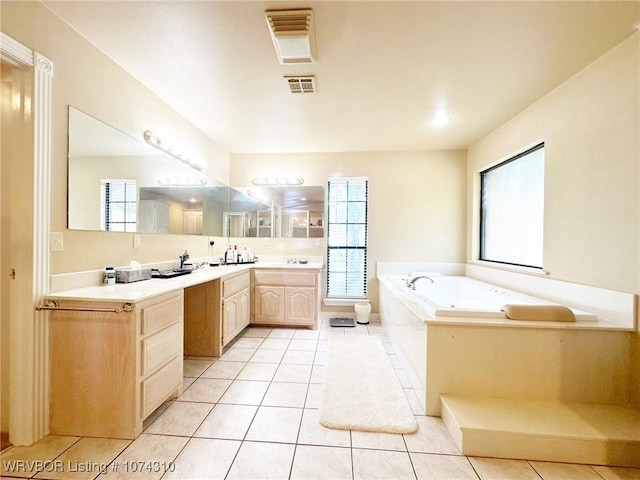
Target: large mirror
pixel 276 211
pixel 119 183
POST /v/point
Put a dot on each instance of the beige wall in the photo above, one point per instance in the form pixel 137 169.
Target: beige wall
pixel 591 129
pixel 91 82
pixel 416 201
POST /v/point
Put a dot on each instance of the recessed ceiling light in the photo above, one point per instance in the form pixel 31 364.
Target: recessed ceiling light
pixel 441 121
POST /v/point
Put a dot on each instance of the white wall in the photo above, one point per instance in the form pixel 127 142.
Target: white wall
pixel 590 126
pixel 591 129
pixel 416 201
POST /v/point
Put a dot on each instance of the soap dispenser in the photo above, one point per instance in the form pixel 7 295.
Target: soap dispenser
pixel 230 255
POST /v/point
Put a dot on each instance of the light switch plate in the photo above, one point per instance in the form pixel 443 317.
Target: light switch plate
pixel 137 241
pixel 56 242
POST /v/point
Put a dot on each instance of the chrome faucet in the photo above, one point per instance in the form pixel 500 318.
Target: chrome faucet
pixel 183 259
pixel 411 283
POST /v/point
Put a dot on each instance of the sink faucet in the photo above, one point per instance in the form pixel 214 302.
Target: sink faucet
pixel 183 258
pixel 411 283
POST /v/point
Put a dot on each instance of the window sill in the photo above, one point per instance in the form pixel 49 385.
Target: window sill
pixel 342 302
pixel 510 268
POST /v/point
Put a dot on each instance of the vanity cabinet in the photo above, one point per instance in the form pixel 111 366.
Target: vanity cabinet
pixel 285 297
pixel 109 371
pixel 235 306
pixel 215 313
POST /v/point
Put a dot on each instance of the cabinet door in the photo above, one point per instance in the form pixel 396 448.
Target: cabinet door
pixel 244 310
pixel 235 315
pixel 229 319
pixel 268 304
pixel 300 305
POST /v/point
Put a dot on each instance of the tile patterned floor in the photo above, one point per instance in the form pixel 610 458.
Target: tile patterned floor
pixel 253 414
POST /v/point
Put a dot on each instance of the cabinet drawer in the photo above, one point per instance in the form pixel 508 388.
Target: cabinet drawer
pixel 285 277
pixel 161 314
pixel 158 349
pixel 231 286
pixel 157 388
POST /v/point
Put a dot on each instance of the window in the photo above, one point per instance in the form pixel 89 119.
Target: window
pixel 118 205
pixel 347 238
pixel 511 210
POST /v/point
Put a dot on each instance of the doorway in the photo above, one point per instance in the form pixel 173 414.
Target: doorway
pixel 16 181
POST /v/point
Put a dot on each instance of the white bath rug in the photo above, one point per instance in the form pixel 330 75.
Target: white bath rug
pixel 361 391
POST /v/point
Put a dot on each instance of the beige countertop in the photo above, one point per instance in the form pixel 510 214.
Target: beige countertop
pixel 138 291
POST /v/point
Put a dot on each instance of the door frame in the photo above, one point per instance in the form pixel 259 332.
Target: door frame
pixel 29 334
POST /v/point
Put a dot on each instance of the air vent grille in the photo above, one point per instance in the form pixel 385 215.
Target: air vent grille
pixel 306 84
pixel 290 22
pixel 292 34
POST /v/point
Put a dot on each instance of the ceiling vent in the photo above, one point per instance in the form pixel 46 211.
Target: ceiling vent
pixel 293 35
pixel 298 84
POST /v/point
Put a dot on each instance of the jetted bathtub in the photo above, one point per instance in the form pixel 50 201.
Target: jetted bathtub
pixel 458 296
pixel 453 338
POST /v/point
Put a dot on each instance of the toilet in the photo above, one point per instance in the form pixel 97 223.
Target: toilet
pixel 363 309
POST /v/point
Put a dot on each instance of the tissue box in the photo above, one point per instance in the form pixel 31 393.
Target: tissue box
pixel 128 275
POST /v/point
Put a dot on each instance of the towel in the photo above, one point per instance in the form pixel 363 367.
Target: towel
pixel 539 313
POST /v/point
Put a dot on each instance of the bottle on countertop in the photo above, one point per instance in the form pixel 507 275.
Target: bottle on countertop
pixel 230 257
pixel 109 277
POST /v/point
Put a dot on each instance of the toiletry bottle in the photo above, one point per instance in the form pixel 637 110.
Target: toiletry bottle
pixel 109 276
pixel 229 257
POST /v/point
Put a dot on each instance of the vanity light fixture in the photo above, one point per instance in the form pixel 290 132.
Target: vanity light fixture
pixel 277 181
pixel 183 182
pixel 155 142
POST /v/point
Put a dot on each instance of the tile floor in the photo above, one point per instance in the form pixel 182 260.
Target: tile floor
pixel 253 413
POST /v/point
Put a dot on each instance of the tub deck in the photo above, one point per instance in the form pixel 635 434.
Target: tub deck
pixel 436 313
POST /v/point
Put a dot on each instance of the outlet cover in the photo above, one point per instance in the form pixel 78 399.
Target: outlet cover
pixel 56 242
pixel 137 241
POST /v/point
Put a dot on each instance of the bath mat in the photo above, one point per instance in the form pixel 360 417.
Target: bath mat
pixel 361 391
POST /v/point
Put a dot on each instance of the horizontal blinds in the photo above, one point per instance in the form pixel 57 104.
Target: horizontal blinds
pixel 118 212
pixel 347 238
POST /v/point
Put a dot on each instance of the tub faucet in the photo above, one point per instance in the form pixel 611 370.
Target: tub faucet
pixel 411 283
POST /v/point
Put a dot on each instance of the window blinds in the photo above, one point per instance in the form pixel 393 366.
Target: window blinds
pixel 347 238
pixel 118 205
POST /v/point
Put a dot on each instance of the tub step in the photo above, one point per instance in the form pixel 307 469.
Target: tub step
pixel 543 430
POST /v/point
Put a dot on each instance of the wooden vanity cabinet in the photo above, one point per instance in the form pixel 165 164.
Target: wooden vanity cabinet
pixel 285 297
pixel 215 313
pixel 236 301
pixel 109 371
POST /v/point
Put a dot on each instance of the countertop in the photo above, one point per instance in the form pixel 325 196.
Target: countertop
pixel 138 291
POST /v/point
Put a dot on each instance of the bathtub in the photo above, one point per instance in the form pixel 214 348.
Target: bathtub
pixel 465 297
pixel 451 337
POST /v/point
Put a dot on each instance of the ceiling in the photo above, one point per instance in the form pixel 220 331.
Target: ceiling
pixel 383 69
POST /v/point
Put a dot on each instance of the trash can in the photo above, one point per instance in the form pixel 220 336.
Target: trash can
pixel 363 309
